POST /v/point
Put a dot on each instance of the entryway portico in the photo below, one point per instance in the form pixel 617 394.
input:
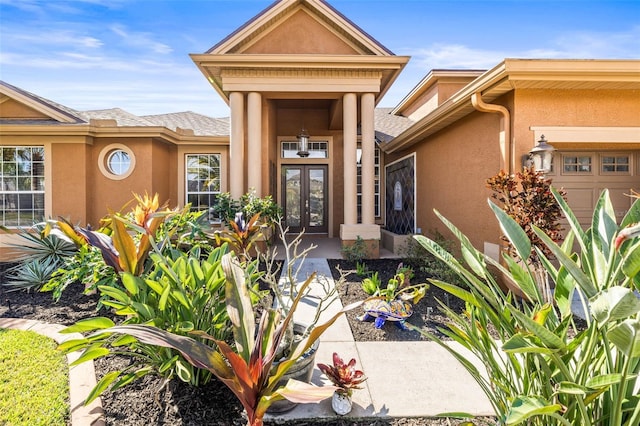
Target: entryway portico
pixel 301 65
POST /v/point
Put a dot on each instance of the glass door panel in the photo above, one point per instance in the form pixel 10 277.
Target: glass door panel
pixel 292 180
pixel 305 206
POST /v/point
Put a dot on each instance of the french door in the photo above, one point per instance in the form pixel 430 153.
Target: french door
pixel 305 189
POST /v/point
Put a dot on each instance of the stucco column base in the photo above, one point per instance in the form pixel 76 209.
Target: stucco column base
pixel 369 233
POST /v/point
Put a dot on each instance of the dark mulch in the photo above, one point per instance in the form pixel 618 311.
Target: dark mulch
pixel 426 313
pixel 150 401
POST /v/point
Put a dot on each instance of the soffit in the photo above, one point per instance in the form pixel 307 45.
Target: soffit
pixel 521 74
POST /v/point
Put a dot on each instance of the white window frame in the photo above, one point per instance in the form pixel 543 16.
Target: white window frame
pixel 40 193
pixel 188 192
pixel 376 180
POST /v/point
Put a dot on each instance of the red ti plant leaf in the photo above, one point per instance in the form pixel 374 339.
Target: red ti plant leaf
pixel 245 369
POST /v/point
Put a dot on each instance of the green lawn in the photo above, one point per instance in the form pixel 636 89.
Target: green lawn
pixel 34 380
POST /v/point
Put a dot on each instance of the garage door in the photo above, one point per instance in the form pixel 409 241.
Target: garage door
pixel 584 175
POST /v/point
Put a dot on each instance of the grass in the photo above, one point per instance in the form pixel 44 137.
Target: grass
pixel 34 380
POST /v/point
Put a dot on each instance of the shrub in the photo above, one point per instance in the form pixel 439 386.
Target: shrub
pixel 527 198
pixel 541 368
pixel 181 294
pixel 249 204
pixel 43 253
pixel 356 252
pixel 414 254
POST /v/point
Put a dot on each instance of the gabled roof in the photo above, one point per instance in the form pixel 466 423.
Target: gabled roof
pixel 264 22
pixel 513 74
pixel 303 39
pixel 56 112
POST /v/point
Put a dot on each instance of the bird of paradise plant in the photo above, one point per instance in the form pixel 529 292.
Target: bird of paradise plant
pixel 119 248
pixel 246 367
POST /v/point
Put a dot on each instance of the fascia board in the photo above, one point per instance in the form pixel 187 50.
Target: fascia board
pixel 49 111
pixel 300 61
pixel 459 100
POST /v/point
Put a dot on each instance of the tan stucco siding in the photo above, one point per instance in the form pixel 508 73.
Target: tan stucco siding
pixel 164 173
pixel 10 108
pixel 113 194
pixel 575 108
pixel 451 169
pixel 70 189
pixel 301 34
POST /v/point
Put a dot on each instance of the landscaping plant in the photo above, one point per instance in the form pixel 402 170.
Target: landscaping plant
pixel 397 288
pixel 528 199
pixel 343 375
pixel 541 367
pixel 182 293
pixel 242 236
pixel 42 255
pixel 356 252
pixel 249 204
pixel 246 366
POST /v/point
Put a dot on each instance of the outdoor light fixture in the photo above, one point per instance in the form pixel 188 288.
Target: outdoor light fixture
pixel 540 156
pixel 303 144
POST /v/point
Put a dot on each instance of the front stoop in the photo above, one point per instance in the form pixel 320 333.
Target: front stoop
pixel 82 377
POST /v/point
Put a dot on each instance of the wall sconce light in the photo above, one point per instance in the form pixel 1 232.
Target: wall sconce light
pixel 540 156
pixel 303 144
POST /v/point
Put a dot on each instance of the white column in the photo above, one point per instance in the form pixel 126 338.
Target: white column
pixel 367 106
pixel 236 145
pixel 350 124
pixel 254 135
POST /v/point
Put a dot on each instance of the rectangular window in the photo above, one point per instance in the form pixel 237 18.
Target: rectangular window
pixel 614 164
pixel 203 182
pixel 317 149
pixel 576 164
pixel 21 185
pixel 376 180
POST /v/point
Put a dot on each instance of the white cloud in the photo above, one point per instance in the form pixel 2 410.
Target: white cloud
pixel 141 40
pixel 55 38
pixel 574 44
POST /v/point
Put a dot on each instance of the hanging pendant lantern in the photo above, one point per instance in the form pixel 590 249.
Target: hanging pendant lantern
pixel 303 144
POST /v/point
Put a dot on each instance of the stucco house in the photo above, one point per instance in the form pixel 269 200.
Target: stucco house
pixel 302 83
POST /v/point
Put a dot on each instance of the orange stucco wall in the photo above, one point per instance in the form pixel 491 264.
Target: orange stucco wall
pixel 589 108
pixel 13 109
pixel 112 194
pixel 71 187
pixel 453 164
pixel 164 172
pixel 451 168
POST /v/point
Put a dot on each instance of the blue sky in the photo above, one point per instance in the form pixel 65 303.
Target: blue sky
pixel 133 54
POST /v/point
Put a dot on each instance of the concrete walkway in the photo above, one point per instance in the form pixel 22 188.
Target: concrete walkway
pixel 405 379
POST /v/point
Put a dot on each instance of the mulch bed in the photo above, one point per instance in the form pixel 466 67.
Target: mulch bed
pixel 426 313
pixel 151 401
